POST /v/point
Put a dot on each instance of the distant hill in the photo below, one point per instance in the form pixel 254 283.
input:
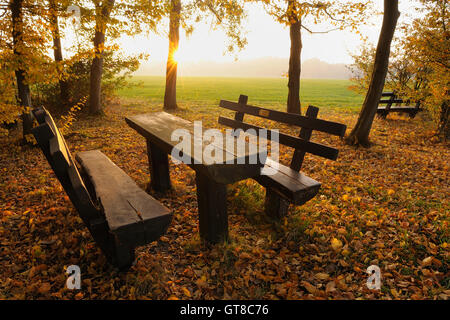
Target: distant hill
pixel 261 67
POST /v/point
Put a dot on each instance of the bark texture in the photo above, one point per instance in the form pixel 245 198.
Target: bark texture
pixel 293 101
pixel 95 90
pixel 170 94
pixel 57 52
pixel 361 131
pixel 24 95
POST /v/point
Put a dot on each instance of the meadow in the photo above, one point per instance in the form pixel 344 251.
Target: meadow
pixel 269 92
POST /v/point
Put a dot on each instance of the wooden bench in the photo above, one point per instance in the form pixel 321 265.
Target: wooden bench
pixel 287 185
pixel 394 104
pixel 119 215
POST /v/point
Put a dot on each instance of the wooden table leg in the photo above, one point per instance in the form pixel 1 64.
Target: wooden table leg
pixel 159 168
pixel 212 208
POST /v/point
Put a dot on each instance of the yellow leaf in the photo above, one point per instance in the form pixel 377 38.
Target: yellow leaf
pixel 390 192
pixel 336 244
pixel 186 291
pixel 427 261
pixel 322 276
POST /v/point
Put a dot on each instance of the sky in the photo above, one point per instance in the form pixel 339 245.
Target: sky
pixel 265 37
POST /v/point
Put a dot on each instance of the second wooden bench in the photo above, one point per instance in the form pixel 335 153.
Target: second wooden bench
pixel 395 104
pixel 287 185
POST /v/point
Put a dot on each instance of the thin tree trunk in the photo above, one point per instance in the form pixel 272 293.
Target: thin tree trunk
pixel 57 51
pixel 170 95
pixel 24 95
pixel 95 90
pixel 293 101
pixel 361 131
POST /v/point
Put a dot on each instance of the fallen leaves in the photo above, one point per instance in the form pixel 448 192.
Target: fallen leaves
pixel 386 206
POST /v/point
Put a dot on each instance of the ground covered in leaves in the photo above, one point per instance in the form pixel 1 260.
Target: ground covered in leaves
pixel 386 206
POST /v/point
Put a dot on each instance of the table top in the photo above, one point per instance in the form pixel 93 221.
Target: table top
pixel 221 160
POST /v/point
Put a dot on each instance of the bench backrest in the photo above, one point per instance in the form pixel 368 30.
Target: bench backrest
pixel 307 123
pixel 394 99
pixel 55 149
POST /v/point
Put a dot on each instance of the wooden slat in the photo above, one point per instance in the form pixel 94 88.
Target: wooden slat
pixel 131 213
pixel 391 101
pixel 43 133
pixel 295 186
pixel 39 114
pixel 387 94
pixel 288 140
pixel 288 118
pixel 58 148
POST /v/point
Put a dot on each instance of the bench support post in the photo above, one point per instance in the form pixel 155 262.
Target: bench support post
pixel 212 209
pixel 123 255
pixel 275 206
pixel 159 168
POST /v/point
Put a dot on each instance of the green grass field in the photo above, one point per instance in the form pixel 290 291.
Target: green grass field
pixel 261 91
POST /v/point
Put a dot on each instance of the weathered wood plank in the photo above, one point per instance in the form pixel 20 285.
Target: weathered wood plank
pixel 133 215
pixel 43 133
pixel 288 118
pixel 158 128
pixel 391 101
pixel 58 147
pixel 292 185
pixel 288 140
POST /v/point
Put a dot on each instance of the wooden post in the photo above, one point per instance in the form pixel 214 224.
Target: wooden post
pixel 239 116
pixel 212 209
pixel 275 206
pixel 388 106
pixel 159 168
pixel 305 134
pixel 415 111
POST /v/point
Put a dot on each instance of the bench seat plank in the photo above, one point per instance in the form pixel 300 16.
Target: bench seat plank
pixel 295 186
pixel 133 215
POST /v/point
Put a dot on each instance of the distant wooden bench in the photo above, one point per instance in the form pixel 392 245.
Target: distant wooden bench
pixel 394 104
pixel 287 185
pixel 119 215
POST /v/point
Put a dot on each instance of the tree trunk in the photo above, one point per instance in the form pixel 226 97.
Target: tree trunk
pixel 170 95
pixel 444 124
pixel 57 52
pixel 24 95
pixel 360 133
pixel 95 90
pixel 293 101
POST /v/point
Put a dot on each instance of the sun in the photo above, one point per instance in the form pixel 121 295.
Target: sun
pixel 176 56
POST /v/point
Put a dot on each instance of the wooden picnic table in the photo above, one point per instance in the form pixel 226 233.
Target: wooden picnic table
pixel 211 177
